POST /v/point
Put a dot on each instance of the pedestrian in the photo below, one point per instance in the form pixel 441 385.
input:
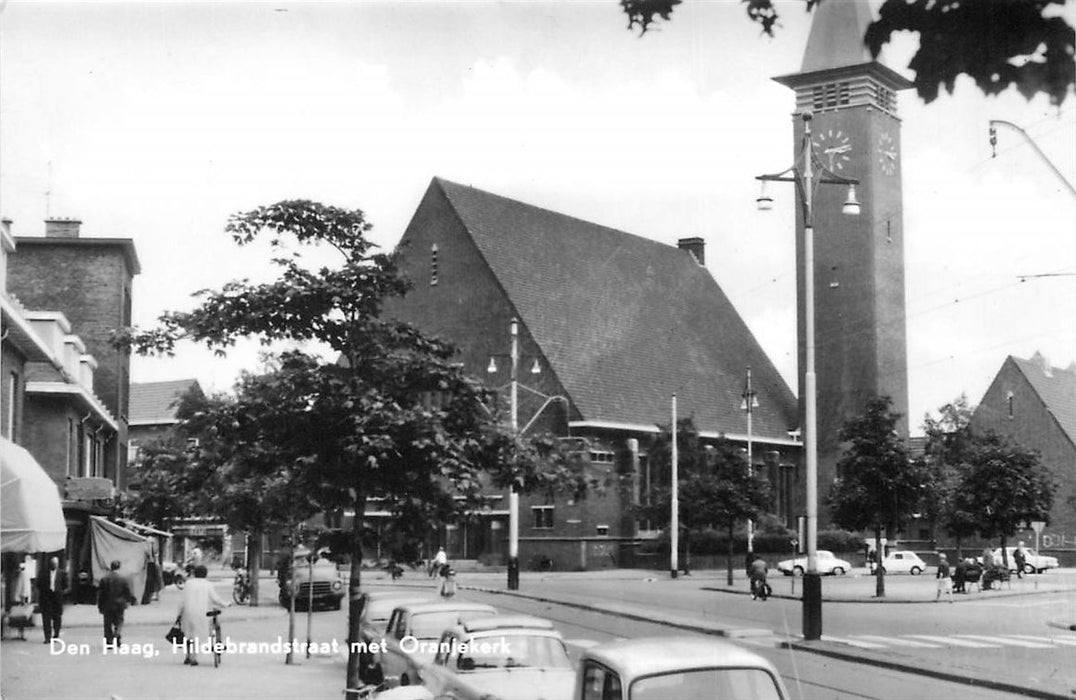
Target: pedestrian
pixel 113 597
pixel 197 596
pixel 757 576
pixel 448 581
pixel 989 575
pixel 945 584
pixel 439 560
pixel 52 586
pixel 1019 556
pixel 872 559
pixel 960 576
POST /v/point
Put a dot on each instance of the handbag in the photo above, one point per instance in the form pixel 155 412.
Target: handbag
pixel 175 635
pixel 21 615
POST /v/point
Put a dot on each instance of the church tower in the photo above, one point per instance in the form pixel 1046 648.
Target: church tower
pixel 860 340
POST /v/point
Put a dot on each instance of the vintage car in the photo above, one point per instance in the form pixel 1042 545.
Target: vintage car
pixel 903 562
pixel 827 564
pixel 675 668
pixel 377 607
pixel 320 584
pixel 507 657
pixel 413 630
pixel 1035 563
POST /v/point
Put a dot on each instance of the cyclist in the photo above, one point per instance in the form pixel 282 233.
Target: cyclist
pixel 448 581
pixel 198 595
pixel 757 573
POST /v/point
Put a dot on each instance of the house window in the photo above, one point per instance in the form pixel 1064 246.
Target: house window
pixel 603 456
pixel 1009 400
pixel 433 265
pixel 72 440
pixel 602 530
pixel 543 517
pixel 12 395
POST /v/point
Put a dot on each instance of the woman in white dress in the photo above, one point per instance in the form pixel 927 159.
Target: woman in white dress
pixel 197 596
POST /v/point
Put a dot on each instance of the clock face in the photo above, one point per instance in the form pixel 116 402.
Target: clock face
pixel 834 149
pixel 887 153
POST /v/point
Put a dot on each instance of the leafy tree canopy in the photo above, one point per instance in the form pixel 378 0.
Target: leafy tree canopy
pixel 997 43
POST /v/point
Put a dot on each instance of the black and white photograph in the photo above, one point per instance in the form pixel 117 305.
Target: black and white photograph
pixel 538 349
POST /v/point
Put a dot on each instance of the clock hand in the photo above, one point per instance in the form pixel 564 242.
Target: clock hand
pixel 891 155
pixel 839 149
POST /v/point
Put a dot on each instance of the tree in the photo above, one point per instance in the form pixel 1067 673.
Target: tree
pixel 877 486
pixel 1005 485
pixel 949 438
pixel 716 489
pixel 395 419
pixel 997 43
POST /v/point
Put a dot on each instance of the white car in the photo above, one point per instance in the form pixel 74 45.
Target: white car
pixel 507 657
pixel 827 564
pixel 1035 564
pixel 903 562
pixel 413 630
pixel 675 668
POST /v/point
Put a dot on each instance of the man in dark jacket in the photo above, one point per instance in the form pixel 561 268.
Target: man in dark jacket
pixel 113 597
pixel 52 586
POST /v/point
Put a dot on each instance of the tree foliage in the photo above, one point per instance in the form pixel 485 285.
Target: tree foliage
pixel 949 439
pixel 877 486
pixel 394 419
pixel 997 43
pixel 1005 485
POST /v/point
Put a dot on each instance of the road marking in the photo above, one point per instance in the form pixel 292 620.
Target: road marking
pixel 900 642
pixel 1064 641
pixel 1006 641
pixel 952 641
pixel 853 642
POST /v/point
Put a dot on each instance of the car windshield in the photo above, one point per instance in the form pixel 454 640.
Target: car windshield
pixel 515 651
pixel 707 684
pixel 430 625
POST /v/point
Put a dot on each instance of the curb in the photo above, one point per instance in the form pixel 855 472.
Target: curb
pixel 872 600
pixel 878 661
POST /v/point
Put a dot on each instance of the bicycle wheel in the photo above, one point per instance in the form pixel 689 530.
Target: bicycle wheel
pixel 240 593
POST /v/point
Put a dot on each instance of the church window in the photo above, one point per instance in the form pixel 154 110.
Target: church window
pixel 433 265
pixel 1009 399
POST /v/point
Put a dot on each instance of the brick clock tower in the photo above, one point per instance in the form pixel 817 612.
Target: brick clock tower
pixel 860 343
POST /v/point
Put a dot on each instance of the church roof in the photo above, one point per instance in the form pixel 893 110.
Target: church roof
pixel 155 403
pixel 624 321
pixel 1055 386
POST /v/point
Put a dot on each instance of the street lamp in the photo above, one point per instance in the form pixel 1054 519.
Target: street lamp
pixel 749 403
pixel 513 495
pixel 802 174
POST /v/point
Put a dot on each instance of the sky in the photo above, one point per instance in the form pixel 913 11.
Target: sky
pixel 156 120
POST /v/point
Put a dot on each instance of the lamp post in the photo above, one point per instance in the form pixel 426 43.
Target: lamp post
pixel 749 404
pixel 513 495
pixel 802 175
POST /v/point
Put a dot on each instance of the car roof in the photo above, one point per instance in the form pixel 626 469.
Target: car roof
pixel 655 655
pixel 459 606
pixel 497 622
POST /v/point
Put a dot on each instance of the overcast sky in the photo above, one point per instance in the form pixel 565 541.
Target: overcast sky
pixel 155 121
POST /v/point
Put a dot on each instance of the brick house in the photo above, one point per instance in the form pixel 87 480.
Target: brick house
pixel 50 405
pixel 152 413
pixel 611 325
pixel 1034 404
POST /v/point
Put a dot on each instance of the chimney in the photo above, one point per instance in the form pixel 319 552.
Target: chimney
pixel 62 228
pixel 696 246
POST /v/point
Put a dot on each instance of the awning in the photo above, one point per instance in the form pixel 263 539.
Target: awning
pixel 31 516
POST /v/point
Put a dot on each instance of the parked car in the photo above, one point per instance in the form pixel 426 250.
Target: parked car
pixel 320 584
pixel 1036 563
pixel 675 668
pixel 827 564
pixel 377 607
pixel 903 562
pixel 413 630
pixel 508 657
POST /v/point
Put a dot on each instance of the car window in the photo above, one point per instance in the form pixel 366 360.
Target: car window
pixel 400 629
pixel 707 684
pixel 600 683
pixel 445 646
pixel 432 624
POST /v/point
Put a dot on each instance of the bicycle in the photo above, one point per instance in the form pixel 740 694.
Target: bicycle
pixel 214 635
pixel 241 587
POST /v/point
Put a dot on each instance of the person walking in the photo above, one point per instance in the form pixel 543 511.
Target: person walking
pixel 198 594
pixel 439 560
pixel 960 576
pixel 113 597
pixel 1019 556
pixel 757 575
pixel 52 586
pixel 945 583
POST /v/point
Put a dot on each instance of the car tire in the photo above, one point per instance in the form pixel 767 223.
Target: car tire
pixel 838 571
pixel 797 571
pixel 916 571
pixel 1029 569
pixel 404 680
